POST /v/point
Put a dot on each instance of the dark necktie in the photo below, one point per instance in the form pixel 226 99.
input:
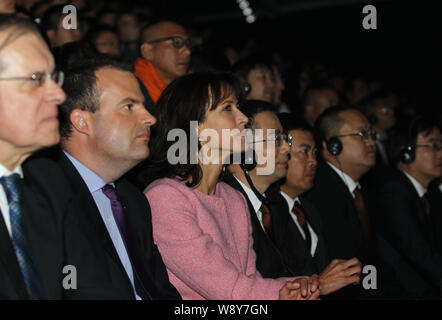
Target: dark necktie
pixel 363 215
pixel 266 219
pixel 427 205
pixel 12 185
pixel 131 246
pixel 300 215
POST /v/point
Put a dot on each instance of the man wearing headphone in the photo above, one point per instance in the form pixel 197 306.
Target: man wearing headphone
pixel 256 77
pixel 246 179
pixel 346 140
pixel 268 220
pixel 407 218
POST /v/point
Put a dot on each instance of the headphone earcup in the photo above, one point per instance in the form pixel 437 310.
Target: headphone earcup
pixel 407 155
pixel 248 160
pixel 247 87
pixel 334 146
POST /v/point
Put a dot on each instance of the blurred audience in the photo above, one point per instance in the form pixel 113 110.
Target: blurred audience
pixel 407 218
pixel 317 98
pixel 53 26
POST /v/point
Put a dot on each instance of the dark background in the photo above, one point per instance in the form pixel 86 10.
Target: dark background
pixel 403 51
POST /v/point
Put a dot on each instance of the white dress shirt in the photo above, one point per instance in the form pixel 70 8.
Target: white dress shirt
pixel 256 203
pixel 419 188
pixel 4 206
pixel 313 235
pixel 349 182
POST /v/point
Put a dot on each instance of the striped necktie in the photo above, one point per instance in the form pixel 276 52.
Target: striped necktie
pixel 11 184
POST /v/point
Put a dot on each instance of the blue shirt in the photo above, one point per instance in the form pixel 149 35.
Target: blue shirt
pixel 95 184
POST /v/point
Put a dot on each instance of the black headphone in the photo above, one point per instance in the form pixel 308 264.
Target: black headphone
pixel 248 163
pixel 246 86
pixel 334 146
pixel 408 154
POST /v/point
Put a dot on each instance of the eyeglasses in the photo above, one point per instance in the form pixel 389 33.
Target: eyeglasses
pixel 279 139
pixel 435 146
pixel 365 135
pixel 177 41
pixel 306 150
pixel 41 78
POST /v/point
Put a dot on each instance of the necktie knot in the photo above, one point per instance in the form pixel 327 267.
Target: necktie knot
pixel 11 184
pixel 109 191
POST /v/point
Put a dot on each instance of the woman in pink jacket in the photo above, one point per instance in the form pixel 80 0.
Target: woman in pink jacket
pixel 201 225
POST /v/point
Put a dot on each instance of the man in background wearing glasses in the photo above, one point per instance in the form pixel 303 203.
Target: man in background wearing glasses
pixel 347 145
pixel 407 219
pixel 165 56
pixel 31 198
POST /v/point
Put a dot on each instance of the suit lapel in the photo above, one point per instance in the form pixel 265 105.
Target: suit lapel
pixel 421 215
pixel 85 206
pixel 321 255
pixel 135 214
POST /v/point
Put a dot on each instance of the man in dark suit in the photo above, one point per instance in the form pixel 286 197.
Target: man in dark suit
pixel 269 220
pixel 348 150
pixel 269 261
pixel 407 216
pixel 303 244
pixel 105 131
pixel 31 215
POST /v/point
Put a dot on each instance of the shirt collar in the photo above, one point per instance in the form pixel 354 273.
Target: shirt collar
pixel 290 201
pixel 93 181
pixel 256 203
pixel 348 181
pixel 5 172
pixel 419 188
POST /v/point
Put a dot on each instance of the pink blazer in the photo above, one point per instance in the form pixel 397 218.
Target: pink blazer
pixel 206 242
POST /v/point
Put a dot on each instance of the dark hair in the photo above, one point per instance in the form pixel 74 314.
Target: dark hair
pixel 185 99
pixel 368 105
pixel 312 91
pixel 243 67
pixel 72 53
pixel 251 108
pixel 97 30
pixel 329 122
pixel 18 26
pixel 52 17
pixel 405 134
pixel 80 85
pixel 291 122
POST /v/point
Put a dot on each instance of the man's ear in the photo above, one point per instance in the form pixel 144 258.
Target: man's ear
pixel 80 121
pixel 147 51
